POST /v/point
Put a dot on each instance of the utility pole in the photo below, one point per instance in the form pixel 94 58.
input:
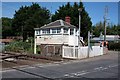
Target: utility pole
pixel 51 15
pixel 22 39
pixel 88 44
pixel 105 21
pixel 80 10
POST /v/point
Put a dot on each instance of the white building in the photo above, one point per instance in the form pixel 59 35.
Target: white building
pixel 51 37
pixel 108 38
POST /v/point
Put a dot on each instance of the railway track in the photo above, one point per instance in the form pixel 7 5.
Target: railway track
pixel 19 62
pixel 25 56
pixel 10 60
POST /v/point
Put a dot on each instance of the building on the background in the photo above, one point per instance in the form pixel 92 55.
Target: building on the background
pixel 51 37
pixel 109 38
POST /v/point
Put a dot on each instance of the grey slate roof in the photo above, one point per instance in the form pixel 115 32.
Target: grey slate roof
pixel 57 24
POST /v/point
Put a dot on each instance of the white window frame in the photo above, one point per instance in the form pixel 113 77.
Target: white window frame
pixel 37 32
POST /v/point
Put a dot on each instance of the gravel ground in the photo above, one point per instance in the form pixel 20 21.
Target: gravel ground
pixel 31 61
pixel 21 62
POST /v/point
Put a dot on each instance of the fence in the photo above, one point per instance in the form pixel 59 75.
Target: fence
pixel 2 45
pixel 82 52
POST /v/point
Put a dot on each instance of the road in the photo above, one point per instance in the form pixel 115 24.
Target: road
pixel 105 66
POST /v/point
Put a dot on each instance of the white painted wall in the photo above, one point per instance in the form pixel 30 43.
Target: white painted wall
pixel 73 40
pixel 52 39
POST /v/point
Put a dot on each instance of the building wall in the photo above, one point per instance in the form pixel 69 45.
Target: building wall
pixel 57 39
pixel 50 49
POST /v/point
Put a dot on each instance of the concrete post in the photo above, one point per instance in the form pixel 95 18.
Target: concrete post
pixel 35 44
pixel 50 31
pixel 88 44
pixel 69 31
pixel 62 31
pixel 74 43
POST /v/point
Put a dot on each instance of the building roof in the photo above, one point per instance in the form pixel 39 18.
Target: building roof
pixel 6 40
pixel 108 38
pixel 57 24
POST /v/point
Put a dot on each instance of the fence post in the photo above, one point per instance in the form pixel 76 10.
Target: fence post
pixel 88 44
pixel 35 40
pixel 74 44
pixel 62 51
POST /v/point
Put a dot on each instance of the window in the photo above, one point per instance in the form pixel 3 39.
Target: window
pixel 65 30
pixel 71 31
pixel 46 31
pixel 53 31
pixel 37 32
pixel 56 31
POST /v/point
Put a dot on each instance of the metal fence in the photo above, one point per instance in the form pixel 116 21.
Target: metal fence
pixel 82 52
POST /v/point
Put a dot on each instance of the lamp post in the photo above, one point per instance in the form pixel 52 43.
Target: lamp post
pixel 80 10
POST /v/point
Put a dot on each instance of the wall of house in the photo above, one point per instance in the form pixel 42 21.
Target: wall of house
pixel 57 39
pixel 73 40
pixel 50 49
pixel 51 39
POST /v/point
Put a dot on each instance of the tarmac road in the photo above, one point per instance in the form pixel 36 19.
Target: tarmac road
pixel 105 66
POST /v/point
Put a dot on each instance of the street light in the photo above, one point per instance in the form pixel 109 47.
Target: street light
pixel 80 10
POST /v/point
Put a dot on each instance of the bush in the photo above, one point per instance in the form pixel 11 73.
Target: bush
pixel 19 46
pixel 114 46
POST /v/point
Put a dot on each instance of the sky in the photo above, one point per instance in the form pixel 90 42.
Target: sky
pixel 94 9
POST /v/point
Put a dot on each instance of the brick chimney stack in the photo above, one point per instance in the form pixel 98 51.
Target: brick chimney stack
pixel 67 19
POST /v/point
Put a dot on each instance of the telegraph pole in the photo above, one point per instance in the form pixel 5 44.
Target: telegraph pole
pixel 51 15
pixel 105 21
pixel 80 10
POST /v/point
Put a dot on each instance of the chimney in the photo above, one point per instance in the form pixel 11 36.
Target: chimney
pixel 67 19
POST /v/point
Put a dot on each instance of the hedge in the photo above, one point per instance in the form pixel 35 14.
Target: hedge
pixel 114 46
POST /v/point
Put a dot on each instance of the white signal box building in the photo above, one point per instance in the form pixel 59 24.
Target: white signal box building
pixel 51 37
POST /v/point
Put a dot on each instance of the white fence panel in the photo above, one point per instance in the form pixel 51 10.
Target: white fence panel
pixel 95 51
pixel 83 52
pixel 68 52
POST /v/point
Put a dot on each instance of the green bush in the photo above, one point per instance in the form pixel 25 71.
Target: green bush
pixel 114 46
pixel 19 46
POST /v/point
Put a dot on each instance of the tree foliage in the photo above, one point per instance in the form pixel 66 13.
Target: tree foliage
pixel 110 29
pixel 72 11
pixel 29 17
pixel 6 27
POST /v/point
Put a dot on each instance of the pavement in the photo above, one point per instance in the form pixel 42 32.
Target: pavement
pixel 105 66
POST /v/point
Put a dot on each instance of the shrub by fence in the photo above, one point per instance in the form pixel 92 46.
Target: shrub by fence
pixel 114 46
pixel 19 46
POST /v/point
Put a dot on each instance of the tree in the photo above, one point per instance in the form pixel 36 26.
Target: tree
pixel 110 29
pixel 98 28
pixel 72 11
pixel 86 23
pixel 29 17
pixel 6 27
